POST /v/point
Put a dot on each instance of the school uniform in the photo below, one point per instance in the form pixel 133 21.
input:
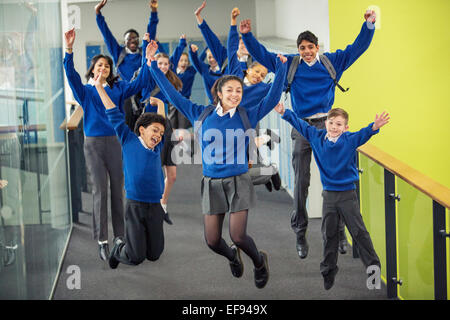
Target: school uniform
pixel 225 165
pixel 144 186
pixel 102 149
pixel 338 174
pixel 312 96
pixel 132 60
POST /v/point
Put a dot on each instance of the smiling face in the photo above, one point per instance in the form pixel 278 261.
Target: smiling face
pixel 183 63
pixel 336 126
pixel 132 41
pixel 212 62
pixel 230 94
pixel 163 64
pixel 102 66
pixel 152 135
pixel 256 73
pixel 308 50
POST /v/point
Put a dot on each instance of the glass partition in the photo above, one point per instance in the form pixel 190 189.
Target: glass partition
pixel 34 190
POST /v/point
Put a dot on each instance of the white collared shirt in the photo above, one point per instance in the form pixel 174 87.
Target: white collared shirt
pixel 316 59
pixel 334 140
pixel 243 58
pixel 216 69
pixel 143 143
pixel 179 71
pixel 247 82
pixel 91 81
pixel 219 111
pixel 128 51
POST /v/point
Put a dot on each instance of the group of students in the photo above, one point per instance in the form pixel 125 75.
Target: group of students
pixel 239 99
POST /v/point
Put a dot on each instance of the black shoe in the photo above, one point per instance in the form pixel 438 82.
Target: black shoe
pixel 237 267
pixel 9 255
pixel 167 218
pixel 276 181
pixel 262 273
pixel 273 137
pixel 343 246
pixel 328 279
pixel 302 247
pixel 113 262
pixel 103 250
pixel 269 186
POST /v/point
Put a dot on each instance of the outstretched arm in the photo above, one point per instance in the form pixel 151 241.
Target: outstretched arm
pixel 218 51
pixel 113 46
pixel 73 77
pixel 300 125
pixel 161 107
pixel 198 12
pixel 234 66
pixel 257 50
pixel 176 55
pixel 153 22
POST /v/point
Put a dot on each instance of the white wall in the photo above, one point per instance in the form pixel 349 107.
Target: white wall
pixel 175 18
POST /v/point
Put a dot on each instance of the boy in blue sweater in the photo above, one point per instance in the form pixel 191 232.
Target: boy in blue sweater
pixel 144 183
pixel 312 96
pixel 334 149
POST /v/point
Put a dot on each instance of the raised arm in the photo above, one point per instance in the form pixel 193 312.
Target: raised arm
pixel 259 111
pixel 176 55
pixel 153 22
pixel 160 104
pixel 299 124
pixel 362 136
pixel 73 77
pixel 257 50
pixel 234 66
pixel 111 43
pixel 198 65
pixel 342 59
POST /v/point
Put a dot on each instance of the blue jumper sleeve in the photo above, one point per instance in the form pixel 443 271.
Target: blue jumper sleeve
pixel 118 122
pixel 362 136
pixel 152 25
pixel 74 79
pixel 111 43
pixel 176 55
pixel 234 66
pixel 218 51
pixel 300 125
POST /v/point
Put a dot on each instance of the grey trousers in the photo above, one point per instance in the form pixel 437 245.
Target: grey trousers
pixel 144 236
pixel 301 161
pixel 104 159
pixel 344 204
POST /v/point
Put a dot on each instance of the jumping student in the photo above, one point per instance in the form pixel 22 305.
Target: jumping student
pixel 152 90
pixel 127 58
pixel 226 185
pixel 144 234
pixel 102 148
pixel 334 148
pixel 312 95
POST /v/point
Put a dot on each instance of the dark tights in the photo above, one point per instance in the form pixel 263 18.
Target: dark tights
pixel 238 234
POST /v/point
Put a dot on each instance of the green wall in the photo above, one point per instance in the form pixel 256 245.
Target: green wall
pixel 405 71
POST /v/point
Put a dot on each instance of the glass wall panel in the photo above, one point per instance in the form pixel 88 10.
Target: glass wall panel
pixel 34 190
pixel 415 243
pixel 372 206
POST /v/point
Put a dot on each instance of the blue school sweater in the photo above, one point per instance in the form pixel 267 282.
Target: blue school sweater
pixel 208 76
pixel 144 179
pixel 312 90
pixel 336 161
pixel 131 62
pixel 187 77
pixel 221 159
pixel 253 94
pixel 218 51
pixel 94 120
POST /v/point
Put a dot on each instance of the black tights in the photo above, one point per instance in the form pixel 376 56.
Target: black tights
pixel 238 234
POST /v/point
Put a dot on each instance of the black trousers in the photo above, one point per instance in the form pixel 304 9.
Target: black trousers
pixel 301 162
pixel 144 234
pixel 344 204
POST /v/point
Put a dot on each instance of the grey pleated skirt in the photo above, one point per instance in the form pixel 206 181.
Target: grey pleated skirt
pixel 227 195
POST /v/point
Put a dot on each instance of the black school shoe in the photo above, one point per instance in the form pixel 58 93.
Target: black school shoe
pixel 328 279
pixel 262 273
pixel 118 243
pixel 343 246
pixel 237 267
pixel 167 218
pixel 276 181
pixel 103 251
pixel 269 186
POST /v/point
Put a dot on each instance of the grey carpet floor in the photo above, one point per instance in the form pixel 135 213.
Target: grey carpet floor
pixel 188 269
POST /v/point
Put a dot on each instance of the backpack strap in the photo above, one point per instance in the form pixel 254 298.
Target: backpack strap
pixel 224 66
pixel 291 72
pixel 329 66
pixel 198 124
pixel 247 126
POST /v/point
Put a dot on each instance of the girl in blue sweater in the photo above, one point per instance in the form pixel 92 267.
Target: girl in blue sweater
pixel 102 149
pixel 334 150
pixel 226 185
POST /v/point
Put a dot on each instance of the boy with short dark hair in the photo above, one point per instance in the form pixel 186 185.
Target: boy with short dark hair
pixel 144 183
pixel 334 150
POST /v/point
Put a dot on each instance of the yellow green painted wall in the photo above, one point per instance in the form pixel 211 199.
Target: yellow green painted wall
pixel 405 71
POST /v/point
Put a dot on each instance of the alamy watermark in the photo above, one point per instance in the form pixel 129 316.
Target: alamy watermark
pixel 374 277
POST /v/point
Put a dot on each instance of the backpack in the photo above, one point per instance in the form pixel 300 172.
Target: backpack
pixel 244 117
pixel 327 64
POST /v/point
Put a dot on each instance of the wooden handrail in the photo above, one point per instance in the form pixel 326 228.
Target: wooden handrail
pixel 75 117
pixel 428 186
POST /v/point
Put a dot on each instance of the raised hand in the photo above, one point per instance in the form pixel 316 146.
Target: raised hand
pixel 183 36
pixel 100 5
pixel 245 26
pixel 282 58
pixel 199 9
pixel 194 48
pixel 153 5
pixel 154 101
pixel 234 14
pixel 280 108
pixel 150 51
pixel 146 37
pixel 370 16
pixel 98 79
pixel 380 120
pixel 69 36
